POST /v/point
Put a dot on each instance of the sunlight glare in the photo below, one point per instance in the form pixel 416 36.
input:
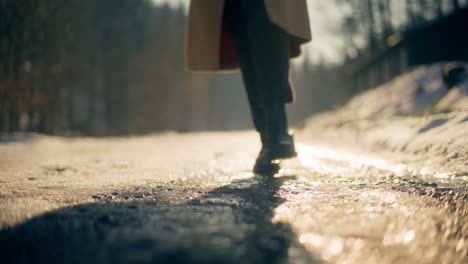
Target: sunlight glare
pixel 307 155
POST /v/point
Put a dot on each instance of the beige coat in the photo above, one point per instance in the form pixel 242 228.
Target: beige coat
pixel 207 51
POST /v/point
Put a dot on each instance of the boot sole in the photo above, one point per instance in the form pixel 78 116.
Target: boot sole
pixel 267 170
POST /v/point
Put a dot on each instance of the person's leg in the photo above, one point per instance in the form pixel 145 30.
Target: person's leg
pixel 269 51
pixel 235 17
pixel 269 48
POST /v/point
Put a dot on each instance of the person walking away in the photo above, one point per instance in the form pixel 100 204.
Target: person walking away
pixel 259 37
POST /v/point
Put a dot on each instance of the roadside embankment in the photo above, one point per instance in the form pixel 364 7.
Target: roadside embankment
pixel 419 118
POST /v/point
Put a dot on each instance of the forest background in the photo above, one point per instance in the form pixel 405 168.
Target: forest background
pixel 116 67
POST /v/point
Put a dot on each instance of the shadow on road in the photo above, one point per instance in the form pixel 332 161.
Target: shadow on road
pixel 231 224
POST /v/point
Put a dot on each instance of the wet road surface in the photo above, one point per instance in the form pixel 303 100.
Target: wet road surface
pixel 190 198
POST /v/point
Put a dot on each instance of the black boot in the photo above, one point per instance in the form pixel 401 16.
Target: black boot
pixel 265 163
pixel 277 142
pixel 282 142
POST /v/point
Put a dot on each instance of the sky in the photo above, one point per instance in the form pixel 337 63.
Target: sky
pixel 325 19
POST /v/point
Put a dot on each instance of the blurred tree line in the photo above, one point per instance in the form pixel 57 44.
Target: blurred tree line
pixel 368 22
pixel 94 67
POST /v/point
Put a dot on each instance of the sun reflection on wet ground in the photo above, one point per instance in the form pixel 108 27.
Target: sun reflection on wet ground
pixel 369 225
pixel 327 160
pixel 344 208
pixel 309 155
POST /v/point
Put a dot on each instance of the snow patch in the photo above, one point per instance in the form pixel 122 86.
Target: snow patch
pixel 417 116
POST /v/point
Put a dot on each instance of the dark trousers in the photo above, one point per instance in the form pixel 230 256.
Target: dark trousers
pixel 263 52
